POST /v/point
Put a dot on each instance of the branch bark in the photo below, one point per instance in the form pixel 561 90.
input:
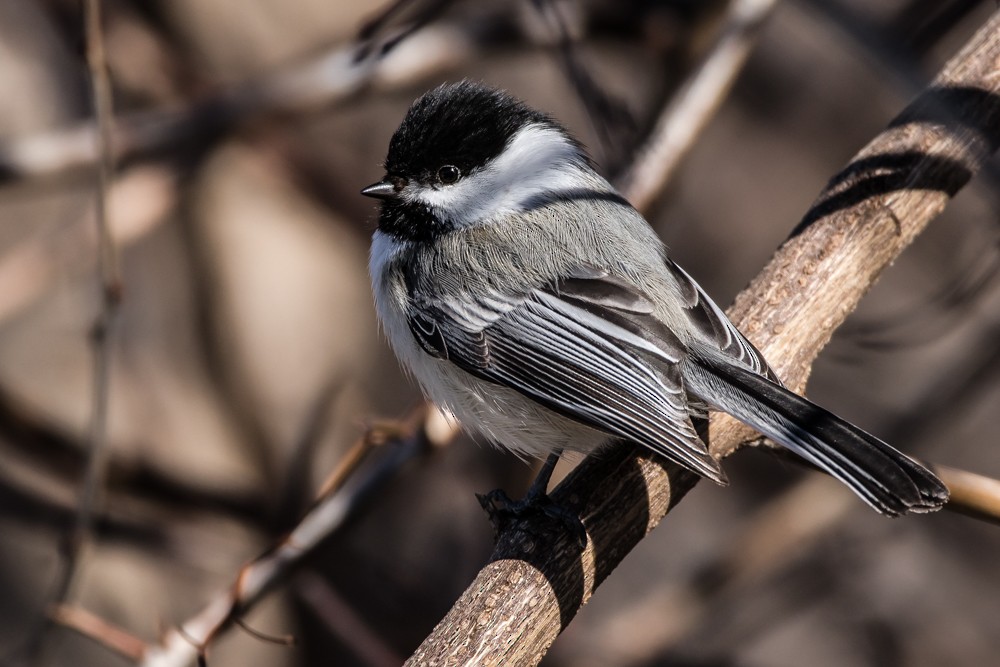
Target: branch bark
pixel 538 577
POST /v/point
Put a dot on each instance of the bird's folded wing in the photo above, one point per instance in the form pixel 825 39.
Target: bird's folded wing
pixel 586 347
pixel 709 319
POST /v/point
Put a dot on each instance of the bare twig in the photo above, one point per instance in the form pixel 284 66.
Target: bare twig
pixel 537 580
pixel 684 118
pixel 972 494
pixel 109 281
pixel 111 290
pixel 609 116
pixel 358 475
pixel 355 456
pixel 330 78
pixel 98 629
pixel 394 447
pixel 369 44
pixel 110 272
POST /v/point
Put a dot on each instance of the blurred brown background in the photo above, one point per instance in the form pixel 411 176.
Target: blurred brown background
pixel 247 357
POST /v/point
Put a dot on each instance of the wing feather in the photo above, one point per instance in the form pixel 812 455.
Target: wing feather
pixel 713 323
pixel 587 348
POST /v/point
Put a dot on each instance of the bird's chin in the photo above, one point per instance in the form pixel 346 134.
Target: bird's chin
pixel 410 221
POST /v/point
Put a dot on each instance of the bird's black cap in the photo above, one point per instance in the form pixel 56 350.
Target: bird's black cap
pixel 464 124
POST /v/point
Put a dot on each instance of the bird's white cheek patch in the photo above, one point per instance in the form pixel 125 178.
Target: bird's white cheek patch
pixel 537 160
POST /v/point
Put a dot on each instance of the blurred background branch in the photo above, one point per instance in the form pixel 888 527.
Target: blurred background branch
pixel 369 465
pixel 109 281
pixel 342 494
pixel 685 117
pixel 76 541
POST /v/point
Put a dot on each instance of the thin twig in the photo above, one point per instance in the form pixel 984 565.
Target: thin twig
pixel 972 494
pixel 93 627
pixel 399 445
pixel 355 456
pixel 690 110
pixel 111 292
pixel 359 475
pixel 369 44
pixel 109 282
pixel 609 116
pixel 331 77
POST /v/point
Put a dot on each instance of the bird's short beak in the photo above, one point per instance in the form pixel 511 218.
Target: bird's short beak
pixel 381 190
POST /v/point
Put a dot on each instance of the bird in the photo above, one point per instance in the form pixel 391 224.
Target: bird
pixel 531 300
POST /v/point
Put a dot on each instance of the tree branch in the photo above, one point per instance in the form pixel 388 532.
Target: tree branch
pixel 109 279
pixel 351 482
pixel 695 104
pixel 330 78
pixel 975 495
pixel 538 577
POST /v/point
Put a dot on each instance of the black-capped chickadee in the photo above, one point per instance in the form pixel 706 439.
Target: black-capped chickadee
pixel 535 303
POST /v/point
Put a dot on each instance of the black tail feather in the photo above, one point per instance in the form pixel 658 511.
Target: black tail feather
pixel 885 478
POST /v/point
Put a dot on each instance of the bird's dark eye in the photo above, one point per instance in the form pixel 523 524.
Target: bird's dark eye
pixel 449 174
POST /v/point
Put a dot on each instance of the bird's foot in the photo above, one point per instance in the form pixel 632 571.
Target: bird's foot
pixel 502 510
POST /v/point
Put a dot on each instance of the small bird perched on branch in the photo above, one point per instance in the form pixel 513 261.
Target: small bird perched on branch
pixel 534 302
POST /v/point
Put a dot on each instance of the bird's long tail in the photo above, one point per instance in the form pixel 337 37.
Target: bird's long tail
pixel 885 478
